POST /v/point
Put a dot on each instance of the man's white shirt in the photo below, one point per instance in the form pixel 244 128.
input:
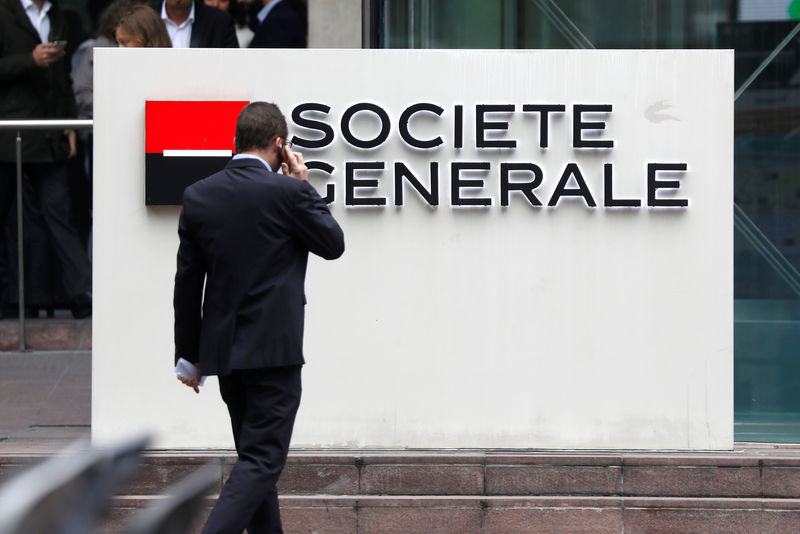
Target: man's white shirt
pixel 253 156
pixel 179 34
pixel 39 18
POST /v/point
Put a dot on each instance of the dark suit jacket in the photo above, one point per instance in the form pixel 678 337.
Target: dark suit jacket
pixel 31 92
pixel 282 28
pixel 212 27
pixel 247 232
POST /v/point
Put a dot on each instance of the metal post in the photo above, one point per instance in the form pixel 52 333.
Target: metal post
pixel 370 23
pixel 366 24
pixel 20 247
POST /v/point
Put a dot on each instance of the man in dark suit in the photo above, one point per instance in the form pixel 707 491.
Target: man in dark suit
pixel 279 26
pixel 34 84
pixel 192 24
pixel 246 232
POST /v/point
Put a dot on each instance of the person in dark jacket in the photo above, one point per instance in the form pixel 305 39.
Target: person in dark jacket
pixel 245 235
pixel 280 25
pixel 35 84
pixel 192 24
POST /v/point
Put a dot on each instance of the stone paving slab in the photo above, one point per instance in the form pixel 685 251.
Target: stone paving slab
pixel 42 441
pixel 512 515
pixel 450 477
pixel 45 398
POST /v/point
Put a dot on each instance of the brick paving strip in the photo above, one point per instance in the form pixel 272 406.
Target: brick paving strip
pixel 62 334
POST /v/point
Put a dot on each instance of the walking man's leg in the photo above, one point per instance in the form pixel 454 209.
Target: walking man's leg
pixel 263 404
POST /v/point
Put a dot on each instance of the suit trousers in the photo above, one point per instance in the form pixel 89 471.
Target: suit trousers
pixel 262 404
pixel 50 184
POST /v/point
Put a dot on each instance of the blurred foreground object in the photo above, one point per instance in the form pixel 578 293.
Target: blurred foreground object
pixel 71 493
pixel 179 510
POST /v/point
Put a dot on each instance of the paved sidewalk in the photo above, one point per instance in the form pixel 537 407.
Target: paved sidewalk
pixel 45 400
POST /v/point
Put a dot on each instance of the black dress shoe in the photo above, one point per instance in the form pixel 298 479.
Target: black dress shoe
pixel 81 305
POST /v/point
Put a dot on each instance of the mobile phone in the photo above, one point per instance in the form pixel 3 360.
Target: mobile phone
pixel 61 45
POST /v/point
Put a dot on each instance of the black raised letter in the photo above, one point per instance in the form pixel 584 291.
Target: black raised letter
pixel 582 190
pixel 526 188
pixel 406 116
pixel 481 125
pixel 578 126
pixel 608 191
pixel 458 131
pixel 371 143
pixel 328 168
pixel 456 183
pixel 327 131
pixel 351 183
pixel 401 171
pixel 544 111
pixel 654 184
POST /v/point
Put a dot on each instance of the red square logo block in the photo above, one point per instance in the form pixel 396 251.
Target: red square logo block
pixel 185 141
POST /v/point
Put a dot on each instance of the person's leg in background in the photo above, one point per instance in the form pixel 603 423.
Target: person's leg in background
pixel 8 190
pixel 51 182
pixel 39 286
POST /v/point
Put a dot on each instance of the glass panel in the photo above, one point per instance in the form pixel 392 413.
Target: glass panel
pixel 553 24
pixel 766 148
pixel 437 24
pixel 766 247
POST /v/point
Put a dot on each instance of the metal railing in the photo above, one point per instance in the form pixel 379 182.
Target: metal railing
pixel 19 126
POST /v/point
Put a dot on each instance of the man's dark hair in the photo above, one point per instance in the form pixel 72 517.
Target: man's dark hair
pixel 258 125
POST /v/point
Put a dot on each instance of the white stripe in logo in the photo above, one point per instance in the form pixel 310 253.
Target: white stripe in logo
pixel 196 153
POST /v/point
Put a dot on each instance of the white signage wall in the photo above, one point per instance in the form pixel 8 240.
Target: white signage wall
pixel 538 250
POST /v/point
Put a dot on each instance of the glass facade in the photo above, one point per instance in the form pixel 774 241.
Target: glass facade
pixel 765 35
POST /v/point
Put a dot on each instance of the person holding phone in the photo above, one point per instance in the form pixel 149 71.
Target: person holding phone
pixel 35 84
pixel 245 234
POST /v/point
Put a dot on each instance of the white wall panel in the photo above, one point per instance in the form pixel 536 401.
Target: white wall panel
pixel 564 327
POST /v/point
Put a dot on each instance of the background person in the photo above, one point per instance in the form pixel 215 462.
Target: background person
pixel 83 87
pixel 141 27
pixel 192 24
pixel 223 5
pixel 83 73
pixel 280 24
pixel 239 12
pixel 34 84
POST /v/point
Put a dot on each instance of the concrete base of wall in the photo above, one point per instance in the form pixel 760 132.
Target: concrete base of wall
pixel 750 490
